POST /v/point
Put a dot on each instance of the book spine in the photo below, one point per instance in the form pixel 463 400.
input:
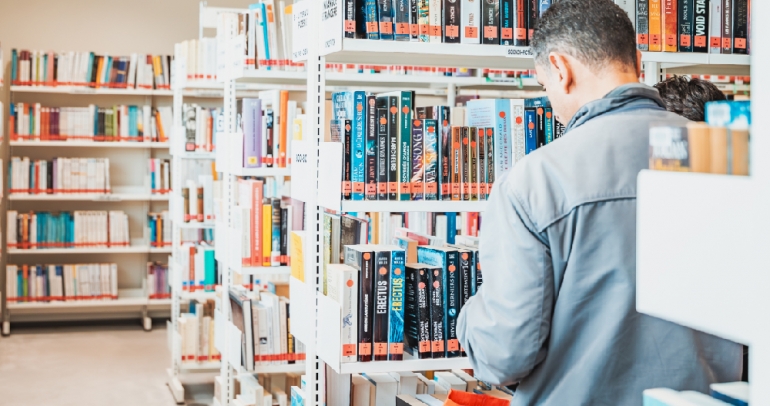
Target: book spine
pixel 444 151
pixel 533 11
pixel 642 25
pixel 544 5
pixel 519 22
pixel 465 181
pixel 366 306
pixel 252 129
pixel 385 10
pixel 371 149
pixel 393 141
pixel 435 16
pixel 414 26
pixel 466 277
pixel 358 150
pixel 403 18
pixel 700 26
pixel 382 153
pixel 423 20
pixel 548 125
pixel 686 15
pixel 655 27
pixel 270 137
pixel 490 171
pixel 405 150
pixel 669 26
pixel 350 19
pixel 456 163
pixel 372 19
pixel 490 22
pixel 381 311
pixel 284 253
pixel 453 303
pixel 540 117
pixel 347 180
pixel 530 117
pixel 417 160
pixel 437 313
pixel 715 30
pixel 482 165
pixel 727 26
pixel 558 129
pixel 418 311
pixel 506 22
pixel 471 11
pixel 430 158
pixel 473 161
pixel 396 306
pixel 740 26
pixel 452 17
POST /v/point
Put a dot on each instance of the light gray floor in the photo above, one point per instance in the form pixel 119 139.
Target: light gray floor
pixel 91 365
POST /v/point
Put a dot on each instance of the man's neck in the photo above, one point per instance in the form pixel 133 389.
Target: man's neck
pixel 605 83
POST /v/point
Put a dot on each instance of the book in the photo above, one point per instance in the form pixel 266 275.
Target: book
pixel 470 22
pixel 381 309
pixel 447 259
pixel 418 170
pixel 372 19
pixel 393 141
pixel 396 304
pixel 402 20
pixel 451 21
pixel 727 26
pixel 417 321
pixel 362 258
pixel 252 129
pixel 343 288
pixel 430 158
pixel 740 26
pixel 372 139
pixel 385 16
pixel 405 146
pixel 533 11
pixel 700 25
pixel 383 149
pixel 424 20
pixel 686 9
pixel 656 25
pixel 715 30
pixel 642 25
pixel 490 11
pixel 358 147
pixel 435 16
pixel 506 22
pixel 519 22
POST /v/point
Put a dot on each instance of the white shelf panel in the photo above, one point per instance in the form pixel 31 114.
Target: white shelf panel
pixel 697 246
pixel 690 58
pixel 263 270
pixel 126 297
pixel 197 155
pixel 90 91
pixel 259 171
pixel 195 225
pixel 213 366
pixel 89 144
pixel 405 365
pixel 274 369
pixel 365 51
pixel 118 250
pixel 116 197
pixel 406 206
pixel 198 295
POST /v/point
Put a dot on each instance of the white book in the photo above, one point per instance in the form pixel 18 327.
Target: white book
pixel 255 315
pixel 276 52
pixel 11 217
pixel 470 28
pixel 429 400
pixel 273 328
pixel 518 131
pixel 146 122
pixel 430 386
pixel 342 283
pixel 282 317
pixel 715 32
pixel 407 382
pixel 263 333
pixel 363 391
pixel 91 175
pixel 435 17
pixel 207 181
pixel 385 389
pixel 450 381
pixel 33 230
pixel 11 276
pixel 132 71
pixel 193 200
pixel 470 381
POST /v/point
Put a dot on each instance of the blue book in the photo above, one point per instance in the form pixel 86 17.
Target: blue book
pixel 385 10
pixel 372 20
pixel 342 105
pixel 451 226
pixel 265 35
pixel 544 5
pixel 396 305
pixel 358 147
pixel 90 70
pixel 530 120
pixel 14 72
pixel 548 125
pixel 730 114
pixel 446 258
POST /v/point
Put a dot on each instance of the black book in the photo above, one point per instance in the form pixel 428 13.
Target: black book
pixel 643 25
pixel 444 130
pixel 49 180
pixel 686 15
pixel 447 259
pixel 361 18
pixel 350 19
pixel 465 260
pixel 284 236
pixel 361 257
pixel 701 26
pixel 727 26
pixel 452 16
pixel 381 307
pixel 506 22
pixel 490 160
pixel 277 213
pixel 393 147
pixel 558 129
pixel 437 327
pixel 540 121
pixel 414 31
pixel 382 153
pixel 519 22
pixel 740 26
pixel 350 233
pixel 347 140
pixel 473 161
pixel 490 22
pixel 417 310
pixel 371 149
pixel 268 117
pixel 533 11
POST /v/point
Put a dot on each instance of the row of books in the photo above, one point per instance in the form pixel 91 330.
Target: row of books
pixel 260 389
pixel 160 175
pixel 265 223
pixel 719 146
pixel 54 282
pixel 118 123
pixel 267 31
pixel 157 281
pixel 59 175
pixel 160 228
pixel 497 22
pixel 197 235
pixel 199 269
pixel 49 68
pixel 78 229
pixel 733 393
pixel 201 127
pixel 393 151
pixel 198 199
pixel 197 331
pixel 707 26
pixel 199 57
pixel 267 125
pixel 263 320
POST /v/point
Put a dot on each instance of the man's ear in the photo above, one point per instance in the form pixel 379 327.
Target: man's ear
pixel 561 70
pixel 638 63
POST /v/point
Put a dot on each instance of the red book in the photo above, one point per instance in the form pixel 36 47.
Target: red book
pixel 670 26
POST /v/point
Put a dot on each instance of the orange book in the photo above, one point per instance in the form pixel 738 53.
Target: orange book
pixel 99 68
pixel 209 134
pixel 656 43
pixel 670 26
pixel 256 223
pixel 282 119
pixel 159 123
pixel 159 230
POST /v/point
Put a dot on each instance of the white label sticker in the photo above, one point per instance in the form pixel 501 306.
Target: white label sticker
pixel 331 26
pixel 302 177
pixel 330 170
pixel 301 18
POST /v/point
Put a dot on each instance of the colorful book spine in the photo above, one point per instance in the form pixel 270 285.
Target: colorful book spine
pixel 347 141
pixel 686 14
pixel 430 158
pixel 471 11
pixel 642 25
pixel 403 16
pixel 414 26
pixel 465 180
pixel 530 117
pixel 452 21
pixel 423 20
pixel 519 23
pixel 740 26
pixel 548 125
pixel 506 22
pixel 382 152
pixel 372 19
pixel 393 141
pixel 358 149
pixel 350 19
pixel 669 25
pixel 490 22
pixel 481 164
pixel 473 161
pixel 441 114
pixel 371 148
pixel 381 310
pixel 405 150
pixel 437 313
pixel 700 26
pixel 456 163
pixel 385 11
pixel 418 172
pixel 396 305
pixel 727 26
pixel 655 26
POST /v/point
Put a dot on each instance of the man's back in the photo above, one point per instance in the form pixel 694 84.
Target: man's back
pixel 570 228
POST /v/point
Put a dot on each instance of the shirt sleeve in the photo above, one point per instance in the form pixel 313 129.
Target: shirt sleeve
pixel 503 328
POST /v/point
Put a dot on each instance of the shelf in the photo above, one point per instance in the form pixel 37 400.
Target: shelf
pixel 197 155
pixel 90 91
pixel 91 144
pixel 365 51
pixel 273 369
pixel 117 197
pixel 405 365
pixel 195 225
pixel 407 206
pixel 119 250
pixel 198 295
pixel 126 298
pixel 262 172
pixel 262 270
pixel 213 366
pixel 690 58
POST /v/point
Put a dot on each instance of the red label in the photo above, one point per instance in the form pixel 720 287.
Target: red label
pixel 396 348
pixel 380 348
pixel 452 31
pixel 348 350
pixel 406 187
pixel 716 42
pixel 670 40
pixel 346 187
pixel 416 187
pixel 350 26
pixel 455 190
pixel 358 187
pixel 506 33
pixel 474 188
pixel 435 30
pixel 740 43
pixel 684 40
pixel 700 40
pixel 655 39
pixel 521 33
pixel 371 27
pixel 431 187
pixel 490 32
pixel 365 348
pixel 424 29
pixel 414 29
pixel 382 187
pixel 386 27
pixel 402 28
pixel 453 345
pixel 471 32
pixel 727 43
pixel 371 188
pixel 392 187
pixel 444 189
pixel 642 39
pixel 437 346
pixel 424 346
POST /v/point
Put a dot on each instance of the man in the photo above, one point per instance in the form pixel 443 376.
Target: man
pixel 557 308
pixel 688 97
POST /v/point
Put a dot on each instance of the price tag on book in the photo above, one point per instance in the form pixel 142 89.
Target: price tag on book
pixel 300 16
pixel 302 186
pixel 331 26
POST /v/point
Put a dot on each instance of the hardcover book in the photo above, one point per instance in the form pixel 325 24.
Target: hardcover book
pixel 700 25
pixel 686 15
pixel 405 150
pixel 669 149
pixel 347 140
pixel 727 26
pixel 465 157
pixel 382 149
pixel 740 26
pixel 362 258
pixel 715 32
pixel 343 289
pixel 417 313
pixel 423 20
pixel 402 20
pixel 436 16
pixel 393 142
pixel 441 114
pixel 452 17
pixel 519 22
pixel 473 157
pixel 385 11
pixel 487 163
pixel 372 19
pixel 430 158
pixel 506 22
pixel 350 19
pixel 530 118
pixel 358 147
pixel 490 11
pixel 517 130
pixel 533 11
pixel 447 259
pixel 471 13
pixel 414 27
pixel 436 289
pixel 669 25
pixel 372 138
pixel 456 163
pixel 396 304
pixel 655 25
pixel 418 171
pixel 381 309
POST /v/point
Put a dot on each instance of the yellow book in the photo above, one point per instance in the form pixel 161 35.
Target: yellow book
pixel 267 233
pixel 656 39
pixel 297 255
pixel 297 133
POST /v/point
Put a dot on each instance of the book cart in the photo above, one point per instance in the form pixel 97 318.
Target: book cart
pixel 130 192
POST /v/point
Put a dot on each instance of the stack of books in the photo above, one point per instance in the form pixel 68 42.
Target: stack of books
pixel 265 223
pixel 198 267
pixel 197 331
pixel 47 283
pixel 92 123
pixel 201 127
pixel 160 175
pixel 266 130
pixel 198 199
pixel 160 229
pixel 86 69
pixel 59 176
pixel 78 229
pixel 266 29
pixel 199 57
pixel 260 390
pixel 157 281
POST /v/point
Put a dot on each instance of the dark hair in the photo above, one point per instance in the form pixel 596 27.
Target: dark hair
pixel 595 32
pixel 688 97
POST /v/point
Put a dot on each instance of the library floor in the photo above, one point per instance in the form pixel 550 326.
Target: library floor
pixel 115 364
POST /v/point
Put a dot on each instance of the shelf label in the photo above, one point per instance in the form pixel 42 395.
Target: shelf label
pixel 331 26
pixel 330 172
pixel 302 175
pixel 301 17
pixel 518 52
